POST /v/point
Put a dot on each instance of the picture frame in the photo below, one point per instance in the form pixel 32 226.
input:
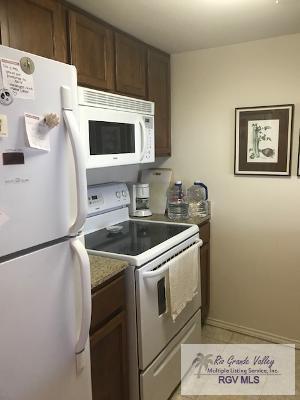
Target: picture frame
pixel 263 140
pixel 298 164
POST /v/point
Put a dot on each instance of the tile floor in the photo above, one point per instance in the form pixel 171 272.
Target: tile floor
pixel 211 334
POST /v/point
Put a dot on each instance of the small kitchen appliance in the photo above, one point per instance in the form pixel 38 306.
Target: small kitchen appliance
pixel 139 200
pixel 150 248
pixel 116 130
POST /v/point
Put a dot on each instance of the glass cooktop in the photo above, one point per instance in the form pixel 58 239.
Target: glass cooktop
pixel 134 238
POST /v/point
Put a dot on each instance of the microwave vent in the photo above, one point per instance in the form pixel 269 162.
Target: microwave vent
pixel 95 98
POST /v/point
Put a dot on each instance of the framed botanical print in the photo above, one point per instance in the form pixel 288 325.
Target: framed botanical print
pixel 263 140
pixel 298 165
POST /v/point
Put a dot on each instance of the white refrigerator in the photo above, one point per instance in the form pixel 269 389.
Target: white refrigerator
pixel 45 292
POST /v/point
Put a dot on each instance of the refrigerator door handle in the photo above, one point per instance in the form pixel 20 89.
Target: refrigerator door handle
pixel 79 160
pixel 86 306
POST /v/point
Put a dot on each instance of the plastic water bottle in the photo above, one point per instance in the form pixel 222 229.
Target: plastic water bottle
pixel 178 205
pixel 197 197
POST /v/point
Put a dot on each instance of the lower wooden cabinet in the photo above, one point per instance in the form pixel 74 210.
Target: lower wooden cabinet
pixel 108 360
pixel 108 342
pixel 205 270
pixel 205 281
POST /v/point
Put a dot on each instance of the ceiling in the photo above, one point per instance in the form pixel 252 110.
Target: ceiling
pixel 182 25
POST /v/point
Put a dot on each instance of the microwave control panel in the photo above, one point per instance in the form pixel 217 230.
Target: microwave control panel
pixel 149 155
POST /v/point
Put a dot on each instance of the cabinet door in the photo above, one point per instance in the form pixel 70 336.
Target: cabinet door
pixel 205 281
pixel 91 48
pixel 3 23
pixel 159 92
pixel 35 26
pixel 109 360
pixel 130 66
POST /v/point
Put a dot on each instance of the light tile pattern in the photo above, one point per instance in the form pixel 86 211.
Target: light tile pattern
pixel 211 334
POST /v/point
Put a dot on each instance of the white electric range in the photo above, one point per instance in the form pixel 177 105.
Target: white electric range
pixel 154 339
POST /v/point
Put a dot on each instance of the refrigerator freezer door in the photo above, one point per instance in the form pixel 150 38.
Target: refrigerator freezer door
pixel 37 187
pixel 40 308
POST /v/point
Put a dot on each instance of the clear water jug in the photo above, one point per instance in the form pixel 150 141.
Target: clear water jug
pixel 197 197
pixel 178 205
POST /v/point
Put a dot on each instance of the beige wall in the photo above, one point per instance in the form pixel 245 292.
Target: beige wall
pixel 255 252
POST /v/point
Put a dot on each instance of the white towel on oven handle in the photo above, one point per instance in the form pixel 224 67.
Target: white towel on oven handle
pixel 184 271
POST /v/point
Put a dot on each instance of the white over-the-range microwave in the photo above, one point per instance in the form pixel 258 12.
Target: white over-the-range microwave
pixel 117 130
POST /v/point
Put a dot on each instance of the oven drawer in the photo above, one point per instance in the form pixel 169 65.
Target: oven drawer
pixel 163 375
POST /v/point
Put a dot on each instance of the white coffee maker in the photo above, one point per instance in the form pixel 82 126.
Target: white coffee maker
pixel 139 200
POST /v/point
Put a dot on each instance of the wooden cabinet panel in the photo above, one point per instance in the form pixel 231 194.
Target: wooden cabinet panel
pixel 159 92
pixel 91 49
pixel 108 361
pixel 204 232
pixel 205 281
pixel 130 65
pixel 3 23
pixel 107 301
pixel 36 26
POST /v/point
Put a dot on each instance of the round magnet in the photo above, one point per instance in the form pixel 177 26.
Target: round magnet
pixel 6 97
pixel 27 65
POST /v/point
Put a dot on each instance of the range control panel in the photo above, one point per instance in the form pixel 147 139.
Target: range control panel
pixel 106 197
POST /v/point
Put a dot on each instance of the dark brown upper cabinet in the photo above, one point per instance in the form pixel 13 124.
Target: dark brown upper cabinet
pixel 106 58
pixel 159 92
pixel 36 26
pixel 130 65
pixel 91 50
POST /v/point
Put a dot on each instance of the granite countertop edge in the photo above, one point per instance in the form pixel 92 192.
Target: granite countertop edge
pixel 103 269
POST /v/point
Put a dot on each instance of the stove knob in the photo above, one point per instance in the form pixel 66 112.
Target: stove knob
pixel 118 195
pixel 124 194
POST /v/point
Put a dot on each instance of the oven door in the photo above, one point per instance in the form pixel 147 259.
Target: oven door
pixel 155 325
pixel 111 137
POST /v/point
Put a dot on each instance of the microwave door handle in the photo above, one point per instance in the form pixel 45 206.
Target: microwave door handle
pixel 86 302
pixel 143 140
pixel 79 160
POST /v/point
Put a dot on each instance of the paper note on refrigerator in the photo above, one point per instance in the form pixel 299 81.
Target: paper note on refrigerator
pixel 16 80
pixel 3 218
pixel 3 126
pixel 37 135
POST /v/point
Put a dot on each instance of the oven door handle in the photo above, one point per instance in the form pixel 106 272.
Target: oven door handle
pixel 165 267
